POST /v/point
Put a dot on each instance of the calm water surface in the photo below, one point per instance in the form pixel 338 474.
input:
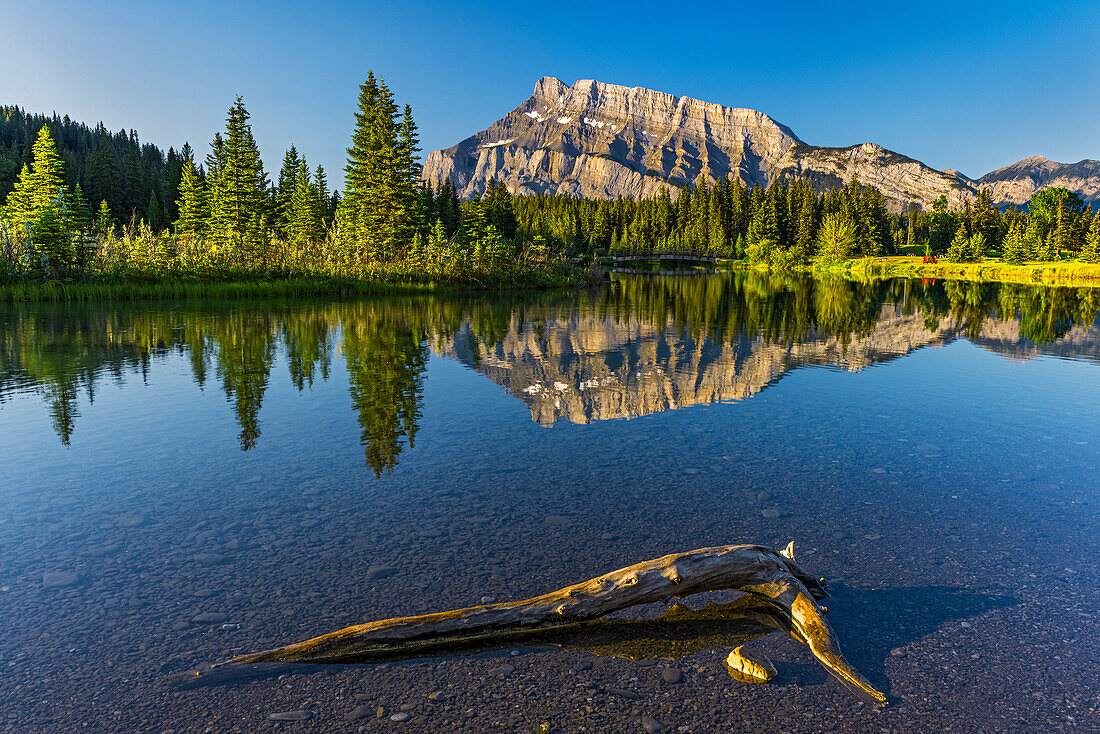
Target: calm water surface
pixel 180 483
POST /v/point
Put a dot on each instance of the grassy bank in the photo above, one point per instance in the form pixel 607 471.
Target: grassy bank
pixel 1064 272
pixel 168 289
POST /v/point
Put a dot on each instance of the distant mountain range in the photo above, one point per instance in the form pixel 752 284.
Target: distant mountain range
pixel 601 140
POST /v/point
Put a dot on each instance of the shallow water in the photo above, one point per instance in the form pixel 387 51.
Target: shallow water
pixel 290 468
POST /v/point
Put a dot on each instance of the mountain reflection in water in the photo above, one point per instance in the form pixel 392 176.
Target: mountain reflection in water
pixel 642 345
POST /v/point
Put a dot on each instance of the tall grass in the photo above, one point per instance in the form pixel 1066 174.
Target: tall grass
pixel 142 265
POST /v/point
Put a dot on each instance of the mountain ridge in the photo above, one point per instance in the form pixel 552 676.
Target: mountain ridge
pixel 599 140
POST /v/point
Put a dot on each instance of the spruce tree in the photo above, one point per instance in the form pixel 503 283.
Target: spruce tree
pixel 1013 247
pixel 38 186
pixel 324 198
pixel 104 222
pixel 303 226
pixel 959 249
pixel 288 174
pixel 194 214
pixel 154 217
pixel 1090 253
pixel 238 208
pixel 837 239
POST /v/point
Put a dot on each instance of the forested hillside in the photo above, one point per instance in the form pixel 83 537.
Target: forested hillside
pixel 134 178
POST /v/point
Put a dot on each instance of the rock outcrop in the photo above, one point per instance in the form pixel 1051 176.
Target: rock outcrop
pixel 1016 183
pixel 599 140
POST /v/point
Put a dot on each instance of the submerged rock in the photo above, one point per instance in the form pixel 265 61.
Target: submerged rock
pixel 56 579
pixel 749 665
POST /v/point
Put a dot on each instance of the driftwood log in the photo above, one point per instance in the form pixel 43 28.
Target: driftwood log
pixel 783 596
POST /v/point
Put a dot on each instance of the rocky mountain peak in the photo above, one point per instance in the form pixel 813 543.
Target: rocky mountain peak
pixel 600 140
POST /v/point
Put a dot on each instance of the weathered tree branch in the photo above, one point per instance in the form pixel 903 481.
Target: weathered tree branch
pixel 559 617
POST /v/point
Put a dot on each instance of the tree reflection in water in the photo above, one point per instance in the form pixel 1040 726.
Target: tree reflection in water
pixel 687 323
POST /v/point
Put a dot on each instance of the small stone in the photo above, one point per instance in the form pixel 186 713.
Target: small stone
pixel 380 572
pixel 359 712
pixel 770 514
pixel 966 625
pixel 210 618
pixel 380 712
pixel 57 579
pixel 623 693
pixel 879 470
pixel 873 536
pixel 437 696
pixel 651 725
pixel 488 599
pixel 179 626
pixel 231 627
pixel 203 593
pixel 749 665
pixel 672 675
pixel 402 716
pixel 210 559
pixel 502 670
pixel 302 715
pixel 898 652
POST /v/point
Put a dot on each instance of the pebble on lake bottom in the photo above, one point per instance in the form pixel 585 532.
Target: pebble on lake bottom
pixel 302 715
pixel 401 716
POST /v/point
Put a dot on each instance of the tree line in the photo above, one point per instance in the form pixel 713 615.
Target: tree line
pixel 789 224
pixel 88 203
pixel 229 219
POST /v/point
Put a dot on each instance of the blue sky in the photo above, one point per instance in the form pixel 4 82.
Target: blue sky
pixel 966 85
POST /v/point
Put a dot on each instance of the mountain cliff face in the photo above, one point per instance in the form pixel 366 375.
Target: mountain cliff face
pixel 1016 183
pixel 602 140
pixel 599 140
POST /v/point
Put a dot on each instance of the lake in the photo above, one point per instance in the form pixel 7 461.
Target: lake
pixel 182 482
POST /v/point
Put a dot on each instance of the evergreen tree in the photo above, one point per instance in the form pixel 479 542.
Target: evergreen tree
pixel 1090 253
pixel 192 205
pixel 154 217
pixel 51 240
pixel 978 245
pixel 38 186
pixel 959 249
pixel 324 198
pixel 288 175
pixel 1013 246
pixel 104 223
pixel 238 207
pixel 837 239
pixel 303 225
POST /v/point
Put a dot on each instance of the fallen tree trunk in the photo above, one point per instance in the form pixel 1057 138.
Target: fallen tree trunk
pixel 772 576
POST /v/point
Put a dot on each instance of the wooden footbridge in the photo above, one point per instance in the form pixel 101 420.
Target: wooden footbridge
pixel 677 255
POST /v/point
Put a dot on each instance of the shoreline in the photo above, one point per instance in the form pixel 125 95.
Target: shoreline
pixel 1068 273
pixel 1064 273
pixel 122 290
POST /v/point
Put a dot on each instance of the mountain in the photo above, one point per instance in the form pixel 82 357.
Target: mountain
pixel 1016 183
pixel 599 140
